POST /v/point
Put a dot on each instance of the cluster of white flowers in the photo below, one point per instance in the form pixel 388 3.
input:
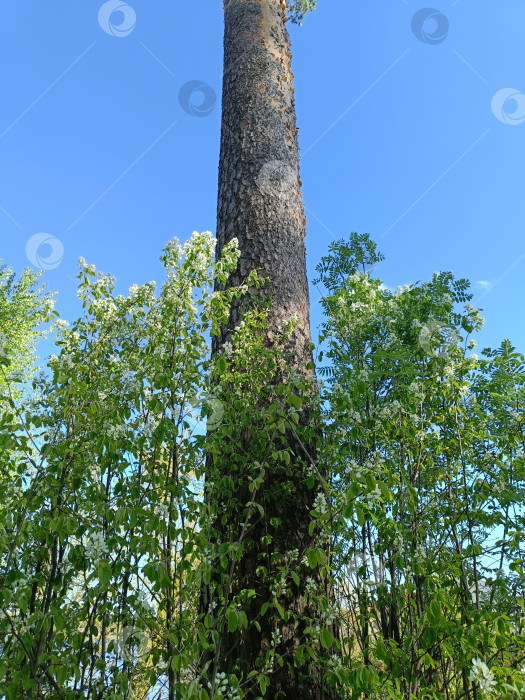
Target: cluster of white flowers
pixel 357 306
pixel 363 375
pixel 223 688
pixel 315 633
pixel 277 637
pixel 278 588
pixel 311 586
pixel 464 389
pixel 227 348
pixel 320 504
pixel 162 510
pixel 60 323
pixel 354 416
pixel 96 547
pixel 65 361
pixel 174 249
pixel 448 371
pixel 375 494
pixel 391 411
pixel 200 246
pixel 329 616
pixel 419 554
pixel 84 266
pixel 415 390
pixel 354 470
pixel 481 674
pixel 398 542
pixel 335 663
pixel 133 381
pixel 474 315
pixel 292 555
pixel 107 307
pixel 403 288
pixel 144 601
pixel 115 432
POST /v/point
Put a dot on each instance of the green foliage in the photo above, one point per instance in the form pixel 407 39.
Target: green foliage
pixel 297 9
pixel 106 539
pixel 23 308
pixel 426 446
pixel 140 467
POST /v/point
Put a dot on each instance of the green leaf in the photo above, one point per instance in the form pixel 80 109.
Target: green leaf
pixel 321 557
pixel 232 619
pixel 104 573
pixel 176 663
pixel 326 639
pixel 311 555
pixel 264 682
pixel 295 400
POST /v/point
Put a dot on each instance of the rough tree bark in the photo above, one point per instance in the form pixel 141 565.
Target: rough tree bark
pixel 260 203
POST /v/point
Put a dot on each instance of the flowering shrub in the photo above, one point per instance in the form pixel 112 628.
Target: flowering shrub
pixel 425 446
pixel 129 490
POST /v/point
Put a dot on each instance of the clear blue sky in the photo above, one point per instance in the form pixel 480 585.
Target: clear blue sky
pixel 399 138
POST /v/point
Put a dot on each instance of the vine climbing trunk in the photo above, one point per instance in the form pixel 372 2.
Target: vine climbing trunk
pixel 260 204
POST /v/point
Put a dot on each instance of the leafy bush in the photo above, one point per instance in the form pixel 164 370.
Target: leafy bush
pixel 135 471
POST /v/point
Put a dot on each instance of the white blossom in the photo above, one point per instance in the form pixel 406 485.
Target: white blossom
pixel 61 323
pixel 96 547
pixel 481 674
pixel 320 504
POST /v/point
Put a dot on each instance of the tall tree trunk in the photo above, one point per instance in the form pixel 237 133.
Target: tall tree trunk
pixel 260 204
pixel 260 201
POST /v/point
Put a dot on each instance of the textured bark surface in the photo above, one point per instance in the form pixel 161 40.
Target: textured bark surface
pixel 260 201
pixel 260 204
